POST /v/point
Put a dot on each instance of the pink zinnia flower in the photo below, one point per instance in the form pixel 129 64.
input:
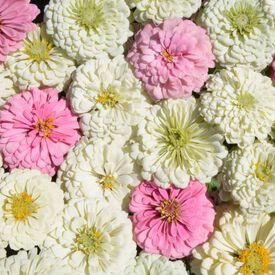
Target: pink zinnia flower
pixel 37 130
pixel 171 221
pixel 172 59
pixel 273 71
pixel 16 18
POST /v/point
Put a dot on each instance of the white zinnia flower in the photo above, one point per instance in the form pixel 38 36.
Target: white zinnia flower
pixel 238 247
pixel 38 63
pixel 100 170
pixel 7 88
pixel 176 143
pixel 241 31
pixel 242 103
pixel 30 207
pixel 95 238
pixel 249 176
pixel 154 264
pixel 33 264
pixel 159 10
pixel 88 28
pixel 108 98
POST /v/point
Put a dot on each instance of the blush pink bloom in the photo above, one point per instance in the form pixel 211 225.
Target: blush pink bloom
pixel 171 221
pixel 37 130
pixel 273 71
pixel 172 59
pixel 16 18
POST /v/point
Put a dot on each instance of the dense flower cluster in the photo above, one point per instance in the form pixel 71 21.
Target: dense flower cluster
pixel 137 137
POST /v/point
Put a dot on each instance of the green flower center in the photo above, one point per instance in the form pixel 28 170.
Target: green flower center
pixel 38 50
pixel 108 98
pixel 245 101
pixel 108 182
pixel 88 240
pixel 264 171
pixel 178 138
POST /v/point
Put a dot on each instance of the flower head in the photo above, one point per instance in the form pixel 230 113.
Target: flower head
pixel 171 221
pixel 37 130
pixel 175 143
pixel 38 63
pixel 171 59
pixel 30 207
pixel 88 29
pixel 241 31
pixel 15 25
pixel 242 103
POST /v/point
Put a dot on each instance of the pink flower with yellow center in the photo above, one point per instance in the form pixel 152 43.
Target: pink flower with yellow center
pixel 37 130
pixel 171 221
pixel 172 59
pixel 16 18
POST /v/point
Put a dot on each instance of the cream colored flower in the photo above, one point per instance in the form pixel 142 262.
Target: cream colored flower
pixel 38 63
pixel 238 247
pixel 33 264
pixel 242 103
pixel 154 264
pixel 30 207
pixel 241 31
pixel 88 28
pixel 108 98
pixel 100 170
pixel 248 176
pixel 95 238
pixel 159 10
pixel 175 143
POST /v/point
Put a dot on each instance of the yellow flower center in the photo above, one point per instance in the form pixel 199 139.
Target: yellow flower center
pixel 38 50
pixel 88 240
pixel 169 210
pixel 108 98
pixel 23 206
pixel 167 56
pixel 45 126
pixel 108 182
pixel 264 171
pixel 245 101
pixel 255 259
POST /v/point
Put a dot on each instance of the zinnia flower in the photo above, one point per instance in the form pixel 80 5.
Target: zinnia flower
pixel 241 103
pixel 238 247
pixel 273 71
pixel 16 20
pixel 37 130
pixel 99 170
pixel 108 98
pixel 38 63
pixel 32 263
pixel 248 177
pixel 95 238
pixel 30 206
pixel 171 221
pixel 154 264
pixel 242 32
pixel 90 28
pixel 175 143
pixel 172 59
pixel 157 11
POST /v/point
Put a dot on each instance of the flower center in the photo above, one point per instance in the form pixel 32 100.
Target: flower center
pixel 167 56
pixel 255 259
pixel 23 206
pixel 245 101
pixel 45 126
pixel 88 240
pixel 107 182
pixel 39 50
pixel 178 138
pixel 169 210
pixel 108 98
pixel 264 171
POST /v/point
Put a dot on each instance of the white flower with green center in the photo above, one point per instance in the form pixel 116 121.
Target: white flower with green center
pixel 95 238
pixel 7 88
pixel 159 10
pixel 108 98
pixel 99 170
pixel 88 28
pixel 33 264
pixel 238 246
pixel 242 103
pixel 38 63
pixel 248 177
pixel 31 205
pixel 154 264
pixel 175 143
pixel 241 31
